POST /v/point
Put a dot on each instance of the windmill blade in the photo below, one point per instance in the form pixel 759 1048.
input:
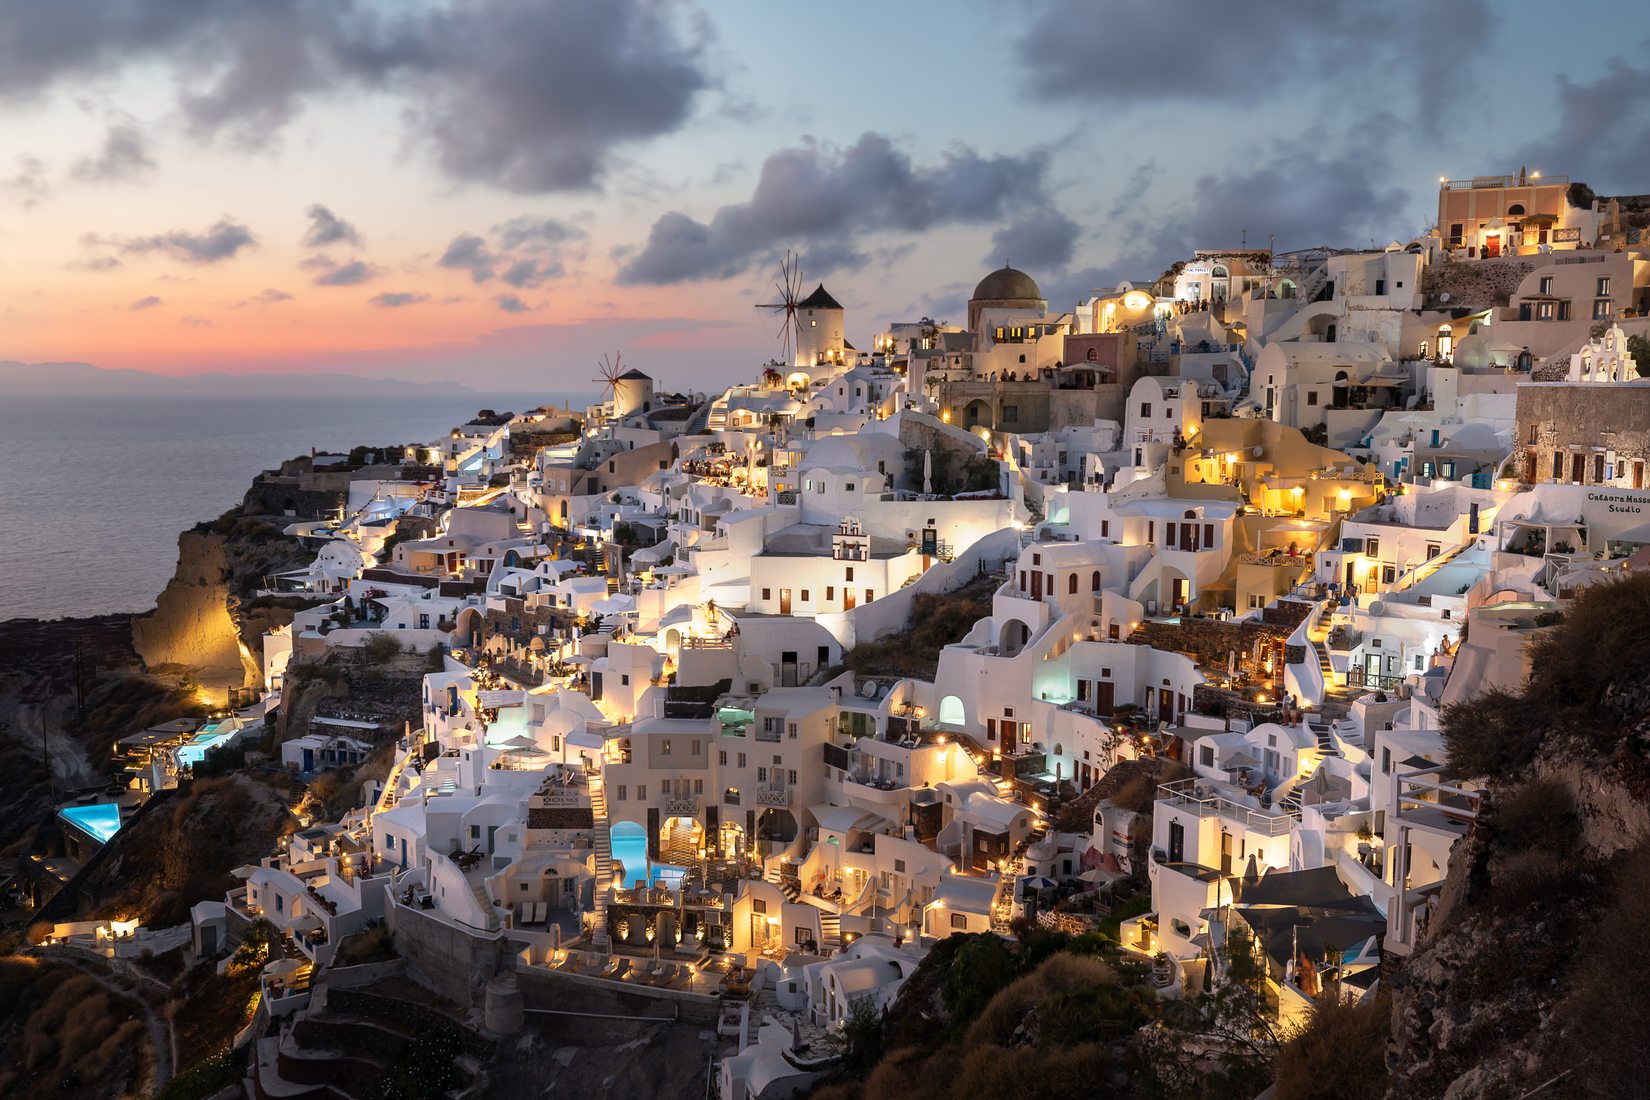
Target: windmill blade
pixel 609 370
pixel 788 287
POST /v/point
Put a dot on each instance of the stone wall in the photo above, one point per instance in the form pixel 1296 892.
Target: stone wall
pixel 454 963
pixel 1208 641
pixel 556 990
pixel 409 1015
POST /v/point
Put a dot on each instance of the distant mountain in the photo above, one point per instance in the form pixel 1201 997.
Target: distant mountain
pixel 56 378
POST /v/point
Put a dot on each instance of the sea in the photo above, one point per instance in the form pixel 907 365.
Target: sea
pixel 95 489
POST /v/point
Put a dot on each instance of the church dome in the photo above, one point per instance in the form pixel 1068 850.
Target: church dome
pixel 1007 284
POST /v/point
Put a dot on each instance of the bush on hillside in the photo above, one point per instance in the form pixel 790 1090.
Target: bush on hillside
pixel 1339 1055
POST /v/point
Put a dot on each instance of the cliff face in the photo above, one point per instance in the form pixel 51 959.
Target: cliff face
pixel 199 627
pixel 1534 942
pixel 190 626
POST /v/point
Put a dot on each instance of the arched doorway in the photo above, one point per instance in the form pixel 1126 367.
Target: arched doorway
pixel 731 841
pixel 681 839
pixel 775 829
pixel 951 712
pixel 1013 638
pixel 468 629
pixel 977 414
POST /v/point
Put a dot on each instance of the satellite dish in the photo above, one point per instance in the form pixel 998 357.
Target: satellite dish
pixel 1443 296
pixel 1377 608
pixel 1257 450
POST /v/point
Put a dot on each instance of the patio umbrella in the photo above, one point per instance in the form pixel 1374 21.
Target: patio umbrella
pixel 1039 883
pixel 927 471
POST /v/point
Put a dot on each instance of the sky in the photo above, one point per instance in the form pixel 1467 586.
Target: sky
pixel 497 192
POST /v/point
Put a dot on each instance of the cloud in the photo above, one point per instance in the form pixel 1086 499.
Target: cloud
pixel 528 95
pixel 1214 52
pixel 1602 130
pixel 1300 193
pixel 468 252
pixel 27 187
pixel 218 242
pixel 266 297
pixel 525 251
pixel 326 228
pixel 526 231
pixel 94 263
pixel 196 322
pixel 510 303
pixel 146 303
pixel 353 273
pixel 534 96
pixel 1042 239
pixel 395 299
pixel 823 198
pixel 124 156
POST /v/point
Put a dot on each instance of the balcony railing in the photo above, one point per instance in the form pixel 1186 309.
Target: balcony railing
pixel 773 796
pixel 681 807
pixel 1196 794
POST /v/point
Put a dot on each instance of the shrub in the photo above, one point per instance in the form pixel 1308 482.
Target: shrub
pixel 1536 815
pixel 1495 733
pixel 982 965
pixel 1339 1055
pixel 381 649
pixel 1529 878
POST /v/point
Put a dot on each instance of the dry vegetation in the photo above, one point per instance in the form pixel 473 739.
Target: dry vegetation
pixel 63 1034
pixel 174 857
pixel 936 622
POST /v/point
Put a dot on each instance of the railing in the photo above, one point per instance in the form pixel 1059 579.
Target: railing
pixel 1193 793
pixel 773 796
pixel 1296 561
pixel 1362 677
pixel 681 807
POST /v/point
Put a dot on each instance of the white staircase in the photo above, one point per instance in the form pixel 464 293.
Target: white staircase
pixel 603 842
pixel 830 933
pixel 488 913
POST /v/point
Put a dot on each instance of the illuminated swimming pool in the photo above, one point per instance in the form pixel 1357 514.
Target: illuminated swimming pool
pixel 100 822
pixel 630 849
pixel 193 751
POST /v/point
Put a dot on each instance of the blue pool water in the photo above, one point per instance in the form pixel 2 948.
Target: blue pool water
pixel 630 849
pixel 193 751
pixel 101 822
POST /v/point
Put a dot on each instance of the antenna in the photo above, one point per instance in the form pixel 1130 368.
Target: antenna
pixel 788 284
pixel 609 369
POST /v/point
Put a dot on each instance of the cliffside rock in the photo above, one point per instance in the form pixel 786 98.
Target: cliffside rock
pixel 190 626
pixel 197 622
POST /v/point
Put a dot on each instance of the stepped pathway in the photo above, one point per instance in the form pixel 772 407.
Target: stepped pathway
pixel 830 932
pixel 599 938
pixel 479 888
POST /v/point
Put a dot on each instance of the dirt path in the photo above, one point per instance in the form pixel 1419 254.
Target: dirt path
pixel 31 725
pixel 160 1034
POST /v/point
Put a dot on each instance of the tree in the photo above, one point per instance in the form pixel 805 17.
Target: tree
pixel 862 1035
pixel 1639 348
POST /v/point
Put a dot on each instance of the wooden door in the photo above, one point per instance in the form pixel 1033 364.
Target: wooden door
pixel 784 601
pixel 1103 696
pixel 848 599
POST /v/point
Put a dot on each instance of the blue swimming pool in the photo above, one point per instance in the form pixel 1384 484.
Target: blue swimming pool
pixel 630 849
pixel 100 822
pixel 193 751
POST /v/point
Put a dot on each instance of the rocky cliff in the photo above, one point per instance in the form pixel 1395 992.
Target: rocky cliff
pixel 203 629
pixel 1530 981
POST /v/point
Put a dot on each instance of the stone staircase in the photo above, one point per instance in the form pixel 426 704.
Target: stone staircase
pixel 830 933
pixel 790 887
pixel 488 913
pixel 603 842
